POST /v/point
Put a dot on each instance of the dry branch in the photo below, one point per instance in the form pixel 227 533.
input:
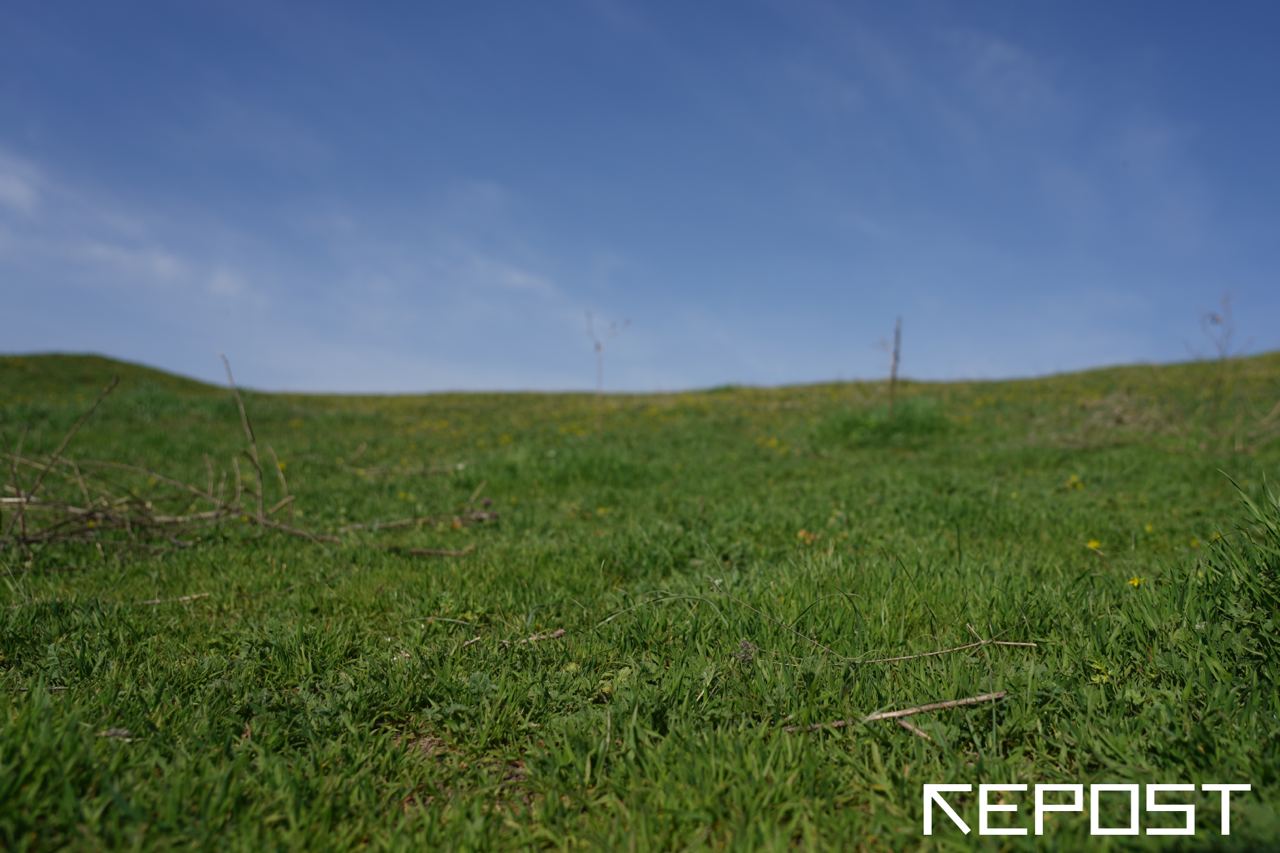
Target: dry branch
pixel 902 712
pixel 864 661
pixel 918 732
pixel 179 600
pixel 287 500
pixel 537 638
pixel 98 500
pixel 57 453
pixel 965 647
pixel 434 552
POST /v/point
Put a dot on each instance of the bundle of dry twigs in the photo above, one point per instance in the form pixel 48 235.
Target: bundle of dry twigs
pixel 59 499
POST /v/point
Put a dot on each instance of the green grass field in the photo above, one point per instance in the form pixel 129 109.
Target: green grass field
pixel 722 565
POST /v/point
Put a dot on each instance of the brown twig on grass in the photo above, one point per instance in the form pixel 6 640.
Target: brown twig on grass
pixel 92 502
pixel 538 638
pixel 181 599
pixel 902 712
pixel 466 519
pixel 936 652
pixel 436 552
pixel 549 635
pixel 57 453
pixel 862 661
pixel 287 500
pixel 427 552
pixel 918 732
pixel 17 486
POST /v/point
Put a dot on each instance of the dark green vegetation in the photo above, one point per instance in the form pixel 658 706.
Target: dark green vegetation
pixel 719 562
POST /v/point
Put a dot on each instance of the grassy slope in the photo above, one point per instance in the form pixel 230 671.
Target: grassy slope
pixel 685 543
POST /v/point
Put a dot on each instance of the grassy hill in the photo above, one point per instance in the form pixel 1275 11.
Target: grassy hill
pixel 647 592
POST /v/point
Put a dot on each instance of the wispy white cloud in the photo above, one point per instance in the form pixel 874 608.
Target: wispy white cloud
pixel 826 89
pixel 270 136
pixel 19 184
pixel 492 271
pixel 1170 200
pixel 1002 77
pixel 866 225
pixel 227 282
pixel 147 265
pixel 17 193
pixel 72 236
pixel 1137 182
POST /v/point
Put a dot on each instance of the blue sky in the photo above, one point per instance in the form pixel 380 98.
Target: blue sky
pixel 422 196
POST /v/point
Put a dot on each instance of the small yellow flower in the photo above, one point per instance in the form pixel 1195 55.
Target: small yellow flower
pixel 1074 482
pixel 1093 545
pixel 1135 581
pixel 1194 543
pixel 1149 528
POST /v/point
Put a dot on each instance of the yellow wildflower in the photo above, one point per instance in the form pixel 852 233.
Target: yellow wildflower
pixel 1135 581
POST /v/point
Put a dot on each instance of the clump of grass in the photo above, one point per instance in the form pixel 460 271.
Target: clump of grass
pixel 911 423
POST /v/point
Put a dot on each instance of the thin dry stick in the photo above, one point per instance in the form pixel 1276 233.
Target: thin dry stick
pixel 84 487
pixel 235 466
pixel 478 516
pixel 318 538
pixel 893 368
pixel 936 652
pixel 287 500
pixel 17 486
pixel 160 478
pixel 62 445
pixel 903 712
pixel 918 732
pixel 416 521
pixel 858 661
pixel 253 442
pixel 182 598
pixel 208 471
pixel 437 552
pixel 537 638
